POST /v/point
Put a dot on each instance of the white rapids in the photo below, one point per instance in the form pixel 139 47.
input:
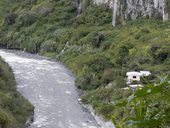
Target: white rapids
pixel 49 86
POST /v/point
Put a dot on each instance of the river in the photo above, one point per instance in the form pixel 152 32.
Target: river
pixel 49 86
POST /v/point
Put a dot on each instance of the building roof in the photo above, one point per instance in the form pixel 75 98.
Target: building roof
pixel 145 73
pixel 141 73
pixel 133 73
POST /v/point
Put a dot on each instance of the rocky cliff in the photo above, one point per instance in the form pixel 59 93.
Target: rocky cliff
pixel 132 9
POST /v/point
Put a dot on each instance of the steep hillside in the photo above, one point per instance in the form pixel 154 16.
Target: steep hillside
pixel 124 10
pixel 80 34
pixel 14 109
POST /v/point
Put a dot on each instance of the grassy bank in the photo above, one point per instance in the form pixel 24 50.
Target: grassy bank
pixel 98 54
pixel 14 109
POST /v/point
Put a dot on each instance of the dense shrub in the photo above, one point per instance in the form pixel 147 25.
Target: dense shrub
pixel 99 64
pixel 108 75
pixel 97 40
pixel 105 109
pixel 159 53
pixel 10 18
pixel 148 79
pixel 28 19
pixel 146 108
pixel 145 30
pixel 94 15
pixel 87 82
pixel 122 55
pixel 48 46
pixel 120 82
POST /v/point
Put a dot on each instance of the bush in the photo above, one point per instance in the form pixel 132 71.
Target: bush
pixel 87 82
pixel 94 15
pixel 34 45
pixel 145 30
pixel 48 46
pixel 10 18
pixel 147 79
pixel 108 76
pixel 120 82
pixel 105 109
pixel 106 45
pixel 28 19
pixel 97 40
pixel 159 53
pixel 99 64
pixel 122 55
pixel 147 108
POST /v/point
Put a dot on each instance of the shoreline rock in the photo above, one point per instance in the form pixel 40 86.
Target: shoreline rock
pixel 99 119
pixel 30 120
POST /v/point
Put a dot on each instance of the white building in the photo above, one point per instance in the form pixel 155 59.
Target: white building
pixel 145 73
pixel 136 76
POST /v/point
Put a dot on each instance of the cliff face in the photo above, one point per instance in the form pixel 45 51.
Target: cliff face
pixel 132 9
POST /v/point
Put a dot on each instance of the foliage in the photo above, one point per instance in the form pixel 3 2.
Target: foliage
pixel 146 108
pixel 10 18
pixel 28 19
pixel 98 54
pixel 103 100
pixel 167 5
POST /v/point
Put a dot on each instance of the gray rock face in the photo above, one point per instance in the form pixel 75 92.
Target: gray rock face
pixel 132 9
pixel 80 6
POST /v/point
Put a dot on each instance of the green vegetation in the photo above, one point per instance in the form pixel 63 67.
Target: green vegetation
pixel 98 54
pixel 167 4
pixel 14 109
pixel 145 108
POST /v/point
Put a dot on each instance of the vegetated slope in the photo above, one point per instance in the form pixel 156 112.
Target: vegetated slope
pixel 14 109
pixel 98 54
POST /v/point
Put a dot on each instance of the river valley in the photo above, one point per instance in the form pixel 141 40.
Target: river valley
pixel 49 86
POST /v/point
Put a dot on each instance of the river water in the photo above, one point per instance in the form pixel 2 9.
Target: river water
pixel 49 86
